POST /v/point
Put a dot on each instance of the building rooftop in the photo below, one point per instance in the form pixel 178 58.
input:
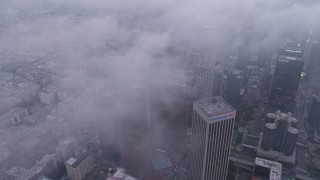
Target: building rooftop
pixel 271 115
pixel 275 154
pixel 314 151
pixel 120 174
pixel 71 161
pixel 23 174
pixel 275 168
pixel 13 100
pixel 250 141
pixel 160 161
pixel 293 130
pixel 74 162
pixel 271 125
pixel 205 64
pixel 214 106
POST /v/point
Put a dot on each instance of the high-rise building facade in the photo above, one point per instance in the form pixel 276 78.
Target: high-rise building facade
pixel 233 87
pixel 205 78
pixel 286 79
pixel 311 54
pixel 269 133
pixel 282 126
pixel 194 60
pixel 314 114
pixel 279 138
pixel 132 121
pixel 290 141
pixel 212 128
pixel 180 115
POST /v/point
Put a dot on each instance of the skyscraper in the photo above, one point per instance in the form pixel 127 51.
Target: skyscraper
pixel 133 127
pixel 307 51
pixel 212 128
pixel 194 60
pixel 311 54
pixel 282 126
pixel 286 79
pixel 314 114
pixel 269 133
pixel 180 115
pixel 279 138
pixel 233 87
pixel 205 78
pixel 171 108
pixel 290 141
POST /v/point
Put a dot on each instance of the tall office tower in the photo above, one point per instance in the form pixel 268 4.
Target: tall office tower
pixel 233 87
pixel 219 80
pixel 212 128
pixel 171 113
pixel 254 78
pixel 314 114
pixel 311 54
pixel 315 79
pixel 194 60
pixel 290 141
pixel 307 51
pixel 282 126
pixel 269 134
pixel 205 79
pixel 286 79
pixel 271 118
pixel 181 115
pixel 133 127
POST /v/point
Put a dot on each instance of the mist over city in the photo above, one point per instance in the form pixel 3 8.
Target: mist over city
pixel 159 90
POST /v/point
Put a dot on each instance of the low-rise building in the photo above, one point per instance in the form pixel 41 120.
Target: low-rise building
pixel 14 117
pixel 119 174
pixel 267 169
pixel 48 96
pixel 45 166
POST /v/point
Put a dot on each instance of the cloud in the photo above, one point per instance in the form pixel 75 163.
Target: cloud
pixel 101 46
pixel 100 43
pixel 184 20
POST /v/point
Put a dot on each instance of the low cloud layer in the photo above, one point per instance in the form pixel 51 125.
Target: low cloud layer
pixel 98 46
pixel 108 57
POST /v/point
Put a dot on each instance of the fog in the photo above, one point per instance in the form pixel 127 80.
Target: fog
pixel 98 49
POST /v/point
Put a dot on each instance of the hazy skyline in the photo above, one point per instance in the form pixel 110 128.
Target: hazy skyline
pixel 98 48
